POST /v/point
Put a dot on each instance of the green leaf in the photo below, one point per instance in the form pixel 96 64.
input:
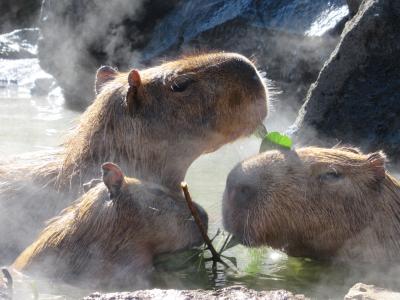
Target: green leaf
pixel 274 140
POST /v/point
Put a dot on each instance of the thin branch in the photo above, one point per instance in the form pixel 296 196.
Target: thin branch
pixel 215 255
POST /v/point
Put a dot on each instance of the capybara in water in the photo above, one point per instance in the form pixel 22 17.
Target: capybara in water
pixel 328 204
pixel 154 123
pixel 112 233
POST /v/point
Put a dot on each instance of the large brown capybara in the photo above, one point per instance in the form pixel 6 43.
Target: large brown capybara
pixel 154 123
pixel 328 204
pixel 111 234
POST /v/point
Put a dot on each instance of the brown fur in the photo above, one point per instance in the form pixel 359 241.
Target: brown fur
pixel 107 238
pixel 315 202
pixel 164 134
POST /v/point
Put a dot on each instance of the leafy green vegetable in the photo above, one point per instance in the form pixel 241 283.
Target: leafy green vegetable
pixel 274 140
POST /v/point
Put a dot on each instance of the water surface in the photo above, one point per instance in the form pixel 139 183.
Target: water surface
pixel 36 123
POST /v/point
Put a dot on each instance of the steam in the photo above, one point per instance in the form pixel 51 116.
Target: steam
pixel 90 35
pixel 102 29
pixel 99 27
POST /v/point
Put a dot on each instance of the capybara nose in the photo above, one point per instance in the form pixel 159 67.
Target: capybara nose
pixel 242 68
pixel 241 195
pixel 240 189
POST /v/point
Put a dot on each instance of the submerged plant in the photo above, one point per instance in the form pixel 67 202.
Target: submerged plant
pixel 256 259
pixel 229 242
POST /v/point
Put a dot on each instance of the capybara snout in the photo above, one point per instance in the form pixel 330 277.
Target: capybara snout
pixel 238 201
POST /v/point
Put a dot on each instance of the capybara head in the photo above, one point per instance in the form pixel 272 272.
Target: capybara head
pixel 113 231
pixel 308 202
pixel 158 120
pixel 218 96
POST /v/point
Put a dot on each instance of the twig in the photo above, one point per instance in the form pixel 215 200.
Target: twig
pixel 215 255
pixel 225 243
pixel 9 285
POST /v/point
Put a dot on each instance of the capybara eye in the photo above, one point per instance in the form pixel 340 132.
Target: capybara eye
pixel 330 176
pixel 180 84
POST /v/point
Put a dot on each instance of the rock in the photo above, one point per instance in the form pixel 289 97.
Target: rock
pixel 353 6
pixel 6 285
pixel 42 86
pixel 356 99
pixel 233 292
pixel 192 18
pixel 19 44
pixel 361 291
pixel 21 74
pixel 18 14
pixel 290 39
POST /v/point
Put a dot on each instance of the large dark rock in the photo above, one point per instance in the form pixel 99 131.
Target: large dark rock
pixel 356 98
pixel 289 39
pixel 234 292
pixel 353 6
pixel 192 18
pixel 18 14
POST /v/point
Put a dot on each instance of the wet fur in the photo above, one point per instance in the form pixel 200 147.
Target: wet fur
pixel 166 133
pixel 102 240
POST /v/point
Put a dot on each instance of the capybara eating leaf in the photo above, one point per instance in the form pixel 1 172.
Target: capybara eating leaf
pixel 112 233
pixel 313 202
pixel 154 123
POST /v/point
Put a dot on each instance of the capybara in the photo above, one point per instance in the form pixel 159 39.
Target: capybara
pixel 328 204
pixel 112 233
pixel 154 123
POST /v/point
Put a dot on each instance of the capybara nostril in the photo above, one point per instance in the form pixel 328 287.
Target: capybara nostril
pixel 242 67
pixel 242 195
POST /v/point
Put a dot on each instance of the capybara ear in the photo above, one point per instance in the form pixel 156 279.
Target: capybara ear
pixel 113 178
pixel 104 74
pixel 134 81
pixel 377 162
